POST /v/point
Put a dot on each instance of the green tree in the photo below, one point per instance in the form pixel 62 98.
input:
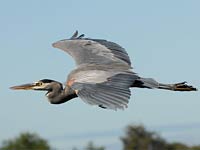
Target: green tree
pixel 91 146
pixel 177 146
pixel 181 146
pixel 195 147
pixel 138 138
pixel 26 141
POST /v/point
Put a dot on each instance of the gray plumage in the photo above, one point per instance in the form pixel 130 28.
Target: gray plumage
pixel 103 75
pixel 94 51
pixel 113 93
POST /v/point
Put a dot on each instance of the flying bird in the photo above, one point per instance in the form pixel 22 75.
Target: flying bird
pixel 103 75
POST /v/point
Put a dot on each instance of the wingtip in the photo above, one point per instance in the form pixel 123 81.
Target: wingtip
pixel 75 34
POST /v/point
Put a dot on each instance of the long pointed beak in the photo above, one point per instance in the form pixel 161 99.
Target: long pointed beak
pixel 29 86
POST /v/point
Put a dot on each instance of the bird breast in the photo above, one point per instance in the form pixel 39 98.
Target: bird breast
pixel 90 76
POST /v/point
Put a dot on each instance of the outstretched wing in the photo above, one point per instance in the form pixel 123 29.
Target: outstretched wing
pixel 93 51
pixel 112 94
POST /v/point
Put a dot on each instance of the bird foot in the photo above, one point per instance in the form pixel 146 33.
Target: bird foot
pixel 183 87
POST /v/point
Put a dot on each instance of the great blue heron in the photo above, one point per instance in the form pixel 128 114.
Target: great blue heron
pixel 103 75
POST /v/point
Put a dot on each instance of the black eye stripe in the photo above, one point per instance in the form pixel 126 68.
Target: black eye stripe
pixel 46 81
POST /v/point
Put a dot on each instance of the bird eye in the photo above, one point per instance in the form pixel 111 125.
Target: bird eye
pixel 38 83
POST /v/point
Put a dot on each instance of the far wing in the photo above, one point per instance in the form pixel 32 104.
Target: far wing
pixel 94 51
pixel 112 94
pixel 118 51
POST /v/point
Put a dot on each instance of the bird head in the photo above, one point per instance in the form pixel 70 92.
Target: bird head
pixel 42 85
pixel 54 90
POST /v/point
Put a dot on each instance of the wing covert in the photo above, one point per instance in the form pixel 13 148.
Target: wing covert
pixel 116 49
pixel 93 51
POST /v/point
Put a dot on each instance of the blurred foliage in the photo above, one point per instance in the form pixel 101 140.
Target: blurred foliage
pixel 177 146
pixel 136 138
pixel 91 146
pixel 181 146
pixel 25 141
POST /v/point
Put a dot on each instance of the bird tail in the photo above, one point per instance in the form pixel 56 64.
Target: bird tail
pixel 153 84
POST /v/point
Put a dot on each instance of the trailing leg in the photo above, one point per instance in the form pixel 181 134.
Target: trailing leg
pixel 153 84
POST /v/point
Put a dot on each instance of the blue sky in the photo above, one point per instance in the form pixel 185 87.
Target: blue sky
pixel 161 37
